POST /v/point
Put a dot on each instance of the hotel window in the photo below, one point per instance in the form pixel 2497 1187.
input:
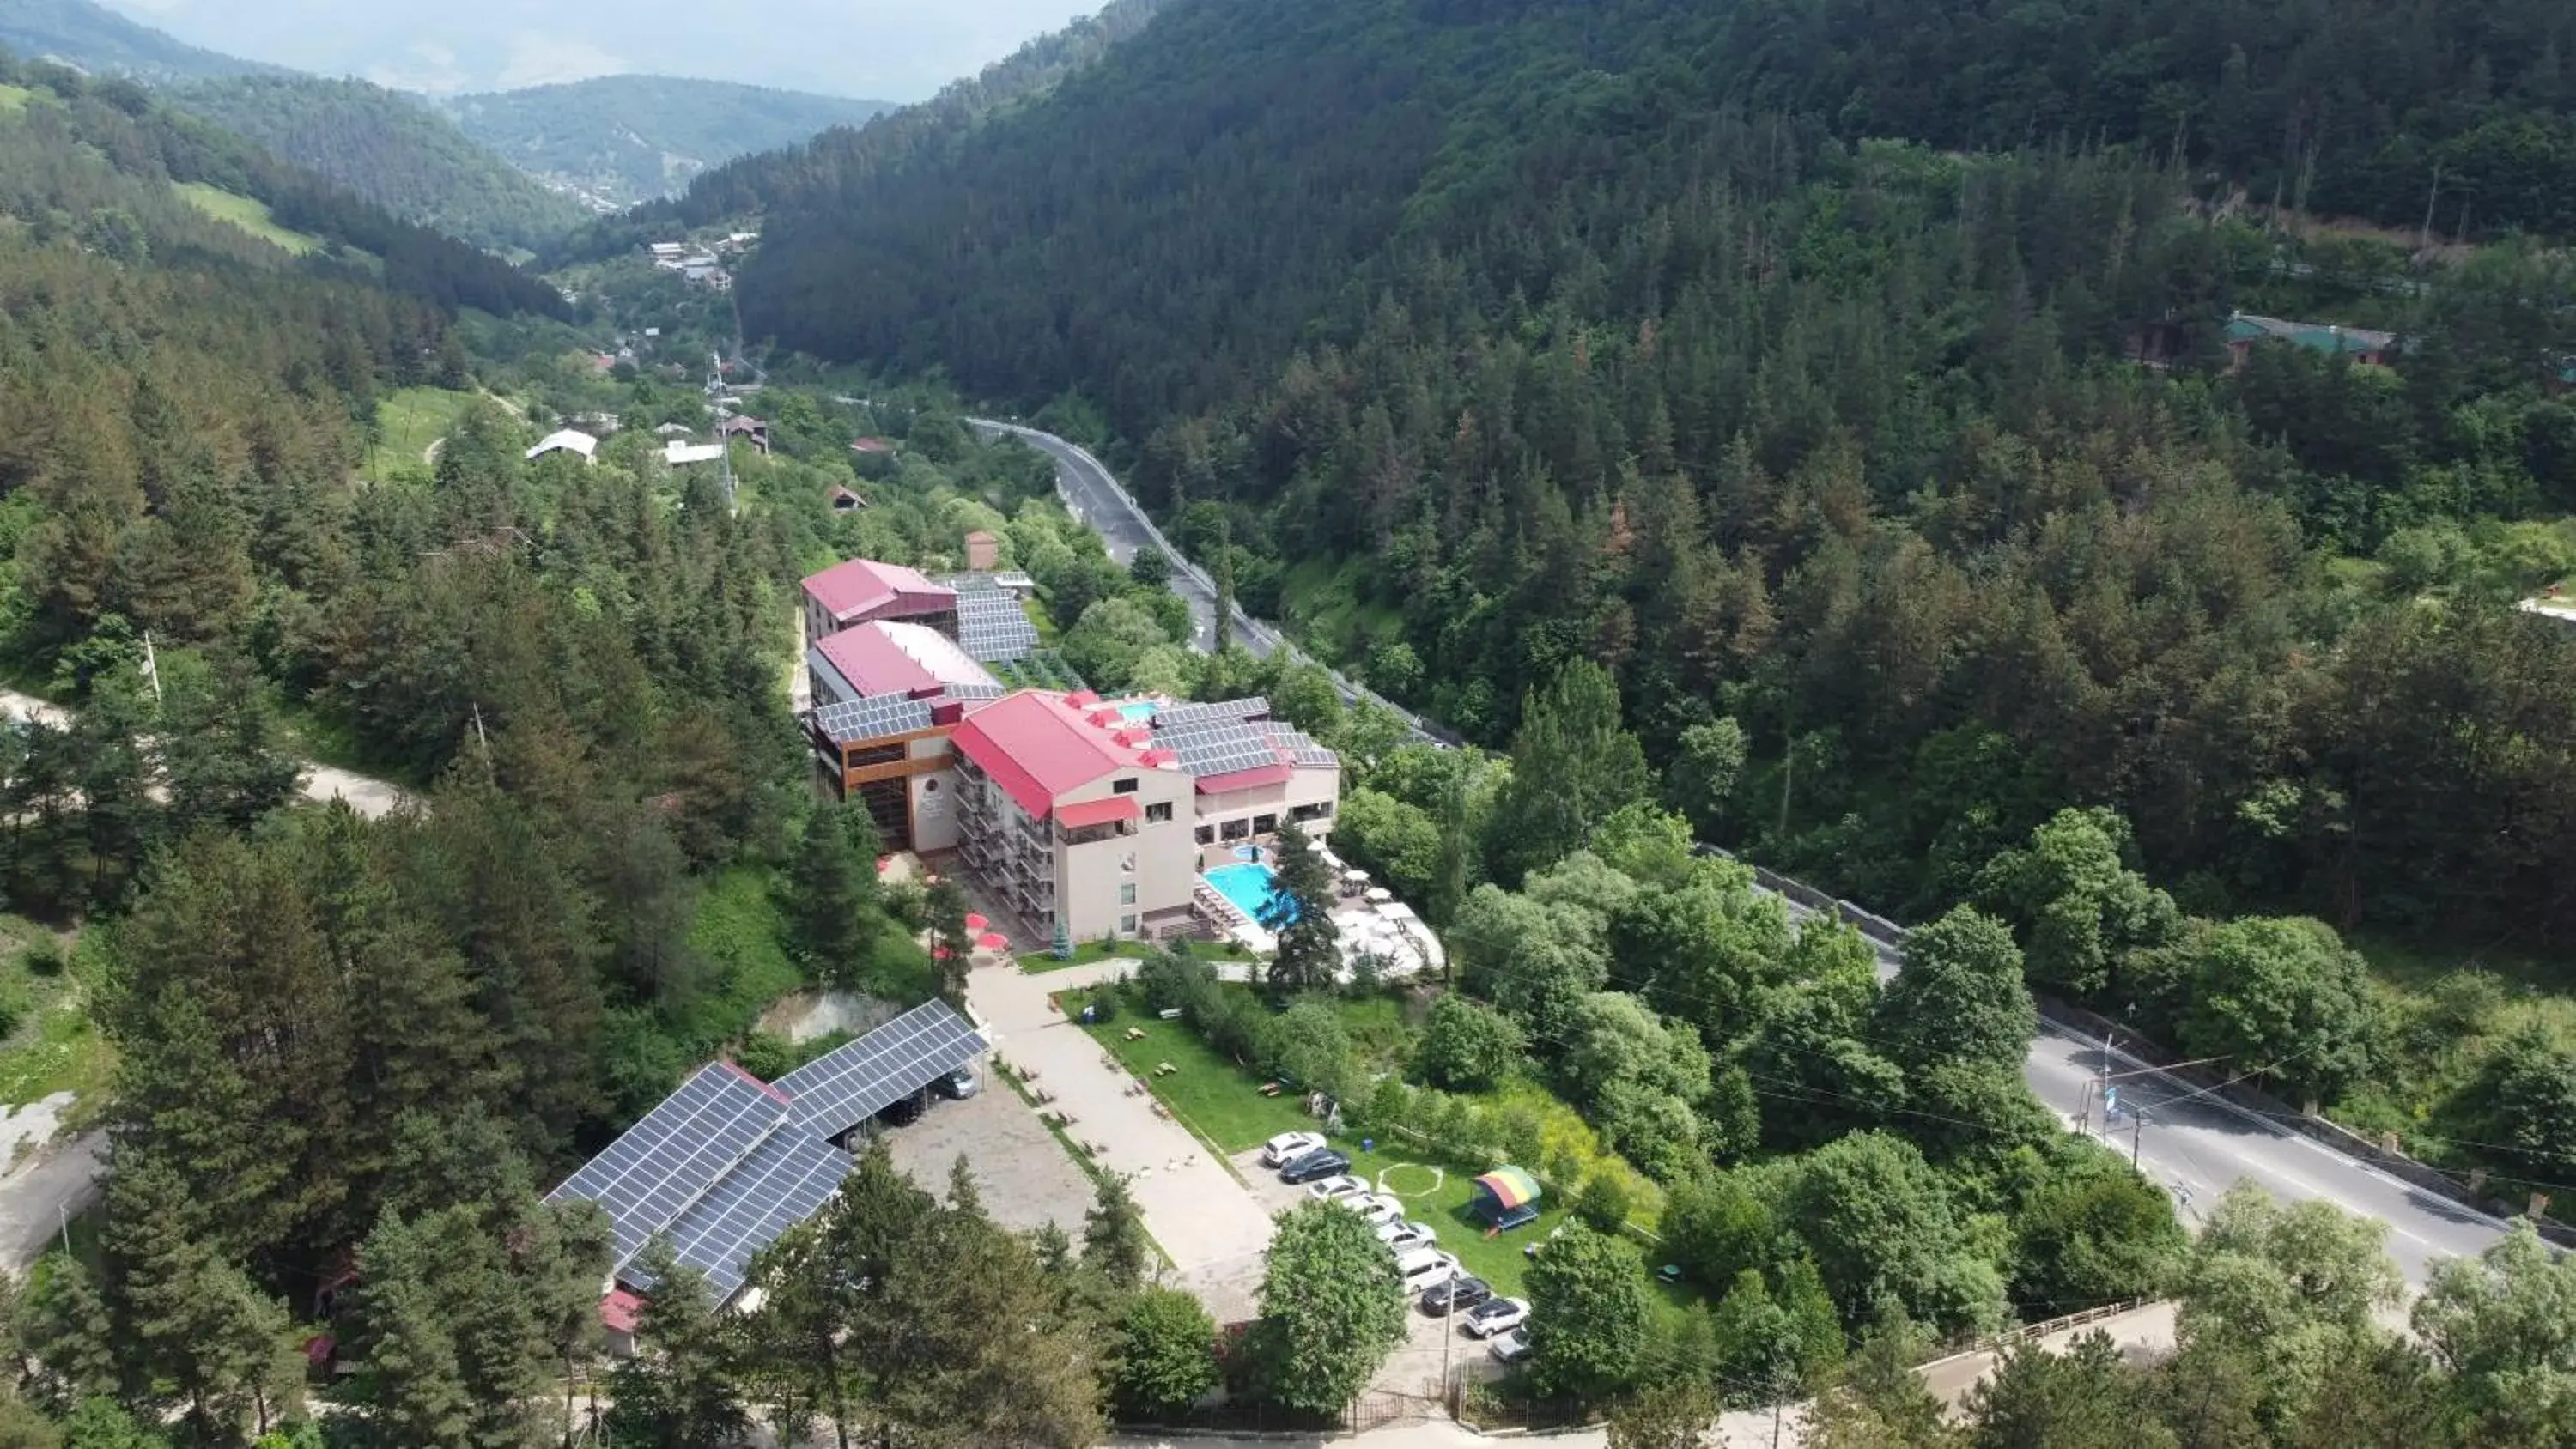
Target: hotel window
pixel 1127 894
pixel 1123 787
pixel 1158 814
pixel 1127 925
pixel 1264 824
pixel 1207 835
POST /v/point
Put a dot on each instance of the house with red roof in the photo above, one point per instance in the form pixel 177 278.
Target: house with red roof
pixel 861 590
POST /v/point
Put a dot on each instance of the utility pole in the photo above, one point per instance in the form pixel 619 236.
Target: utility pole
pixel 716 400
pixel 2137 1131
pixel 151 666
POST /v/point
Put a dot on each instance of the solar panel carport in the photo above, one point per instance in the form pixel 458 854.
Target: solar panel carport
pixel 728 1162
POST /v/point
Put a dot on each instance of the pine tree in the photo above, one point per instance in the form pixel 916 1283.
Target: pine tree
pixel 409 1376
pixel 65 1327
pixel 950 945
pixel 832 895
pixel 1114 1243
pixel 681 1390
pixel 1299 914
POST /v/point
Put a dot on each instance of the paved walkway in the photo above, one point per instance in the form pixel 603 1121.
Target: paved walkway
pixel 1203 1217
pixel 369 797
pixel 2140 1333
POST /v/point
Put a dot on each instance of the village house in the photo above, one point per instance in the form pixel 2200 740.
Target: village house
pixel 2246 331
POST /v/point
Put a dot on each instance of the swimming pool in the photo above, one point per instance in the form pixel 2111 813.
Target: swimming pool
pixel 1249 886
pixel 1139 711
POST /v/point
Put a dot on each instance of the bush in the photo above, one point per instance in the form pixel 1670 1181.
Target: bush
pixel 1603 1204
pixel 766 1056
pixel 43 957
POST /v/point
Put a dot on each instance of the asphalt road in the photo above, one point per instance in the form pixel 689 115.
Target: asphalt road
pixel 2196 1146
pixel 1098 501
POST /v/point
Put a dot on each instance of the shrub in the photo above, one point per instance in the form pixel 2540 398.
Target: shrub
pixel 43 957
pixel 1603 1204
pixel 766 1056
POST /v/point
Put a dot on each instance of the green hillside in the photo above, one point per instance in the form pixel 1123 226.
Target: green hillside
pixel 104 162
pixel 745 186
pixel 392 149
pixel 1858 393
pixel 619 140
pixel 100 41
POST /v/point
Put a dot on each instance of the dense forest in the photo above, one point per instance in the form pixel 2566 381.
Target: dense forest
pixel 98 160
pixel 1479 340
pixel 1716 398
pixel 395 151
pixel 627 139
pixel 748 185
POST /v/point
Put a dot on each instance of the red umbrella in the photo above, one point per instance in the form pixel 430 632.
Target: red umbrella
pixel 992 940
pixel 975 922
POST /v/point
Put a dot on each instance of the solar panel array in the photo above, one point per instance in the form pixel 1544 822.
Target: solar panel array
pixel 991 625
pixel 846 1086
pixel 867 719
pixel 976 691
pixel 652 1174
pixel 1220 748
pixel 1301 747
pixel 785 1180
pixel 1233 711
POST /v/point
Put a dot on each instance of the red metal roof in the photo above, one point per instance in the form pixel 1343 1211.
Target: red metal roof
pixel 618 1310
pixel 755 1081
pixel 1038 747
pixel 880 657
pixel 1098 812
pixel 862 588
pixel 1252 779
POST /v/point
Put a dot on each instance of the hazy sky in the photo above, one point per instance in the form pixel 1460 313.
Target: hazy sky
pixel 893 50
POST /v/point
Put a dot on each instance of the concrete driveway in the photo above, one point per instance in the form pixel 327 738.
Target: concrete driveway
pixel 1212 1227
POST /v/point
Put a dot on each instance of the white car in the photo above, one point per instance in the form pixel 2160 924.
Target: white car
pixel 1340 1185
pixel 1424 1267
pixel 1377 1207
pixel 1402 1237
pixel 1289 1146
pixel 1511 1347
pixel 1496 1316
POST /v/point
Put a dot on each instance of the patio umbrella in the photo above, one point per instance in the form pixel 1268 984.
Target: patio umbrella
pixel 1506 1188
pixel 975 922
pixel 992 940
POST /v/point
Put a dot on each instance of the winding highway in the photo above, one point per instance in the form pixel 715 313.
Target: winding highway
pixel 2196 1145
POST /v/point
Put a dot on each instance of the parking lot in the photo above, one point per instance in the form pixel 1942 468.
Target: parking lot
pixel 1023 1173
pixel 1434 1348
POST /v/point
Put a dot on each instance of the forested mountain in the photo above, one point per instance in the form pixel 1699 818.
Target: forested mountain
pixel 102 42
pixel 622 139
pixel 841 156
pixel 1537 307
pixel 392 149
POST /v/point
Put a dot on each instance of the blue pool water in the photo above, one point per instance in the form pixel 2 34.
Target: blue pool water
pixel 1139 712
pixel 1249 886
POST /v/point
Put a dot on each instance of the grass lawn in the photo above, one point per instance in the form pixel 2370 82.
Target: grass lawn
pixel 1086 952
pixel 55 1047
pixel 251 216
pixel 1216 1099
pixel 409 420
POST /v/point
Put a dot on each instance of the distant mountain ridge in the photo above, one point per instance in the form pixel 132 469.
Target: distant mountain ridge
pixel 479 167
pixel 619 140
pixel 393 149
pixel 92 38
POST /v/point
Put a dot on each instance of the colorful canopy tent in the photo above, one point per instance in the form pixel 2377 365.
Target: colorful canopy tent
pixel 1506 1197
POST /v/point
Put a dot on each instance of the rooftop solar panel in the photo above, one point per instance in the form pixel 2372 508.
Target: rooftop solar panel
pixel 787 1178
pixel 654 1171
pixel 885 714
pixel 846 1086
pixel 1236 710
